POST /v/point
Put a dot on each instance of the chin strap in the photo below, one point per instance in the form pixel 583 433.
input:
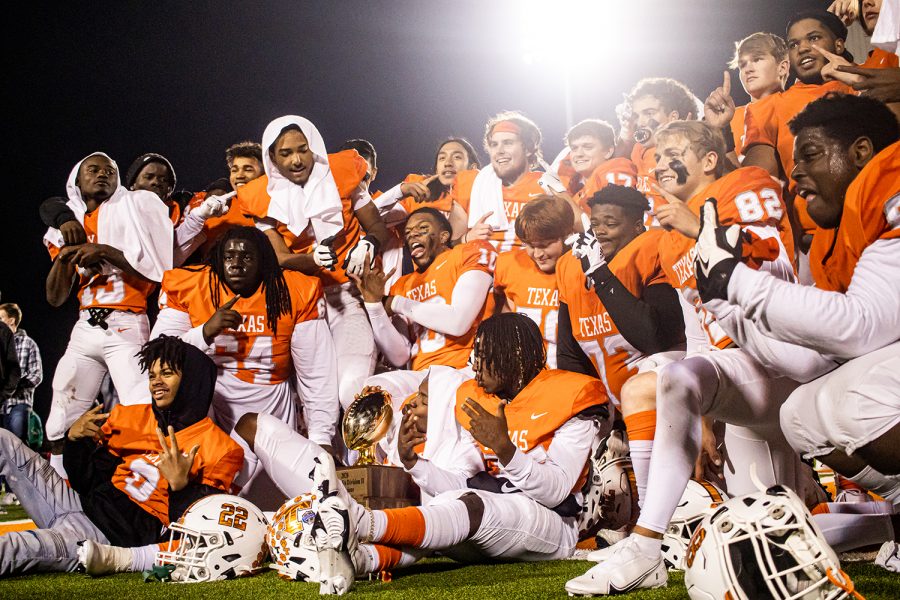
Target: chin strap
pixel 843 581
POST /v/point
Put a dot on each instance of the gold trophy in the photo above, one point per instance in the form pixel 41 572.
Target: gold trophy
pixel 366 422
pixel 375 486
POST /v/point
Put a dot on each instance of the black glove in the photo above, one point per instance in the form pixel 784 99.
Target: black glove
pixel 718 253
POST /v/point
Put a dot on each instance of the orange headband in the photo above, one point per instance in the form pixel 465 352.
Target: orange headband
pixel 506 127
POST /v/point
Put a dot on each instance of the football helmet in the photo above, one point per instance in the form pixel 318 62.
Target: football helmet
pixel 610 492
pixel 222 537
pixel 290 541
pixel 763 545
pixel 698 498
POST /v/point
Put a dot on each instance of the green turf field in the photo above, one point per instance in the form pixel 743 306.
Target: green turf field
pixel 431 579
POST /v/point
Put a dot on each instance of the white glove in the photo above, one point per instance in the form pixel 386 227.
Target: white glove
pixel 364 251
pixel 719 250
pixel 324 254
pixel 586 248
pixel 214 206
pixel 550 181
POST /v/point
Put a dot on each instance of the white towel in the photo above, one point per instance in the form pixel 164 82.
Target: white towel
pixel 135 222
pixel 487 196
pixel 887 30
pixel 318 201
pixel 443 434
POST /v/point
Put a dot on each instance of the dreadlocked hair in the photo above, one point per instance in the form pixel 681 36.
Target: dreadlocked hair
pixel 278 297
pixel 167 349
pixel 511 346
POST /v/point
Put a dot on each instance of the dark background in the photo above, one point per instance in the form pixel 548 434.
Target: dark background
pixel 187 79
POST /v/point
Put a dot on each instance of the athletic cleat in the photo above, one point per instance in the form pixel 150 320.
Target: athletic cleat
pixel 97 559
pixel 625 570
pixel 336 543
pixel 889 557
pixel 602 554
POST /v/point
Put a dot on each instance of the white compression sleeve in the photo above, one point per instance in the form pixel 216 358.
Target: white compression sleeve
pixel 171 321
pixel 452 319
pixel 396 348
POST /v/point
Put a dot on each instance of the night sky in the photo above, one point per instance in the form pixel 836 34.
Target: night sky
pixel 187 79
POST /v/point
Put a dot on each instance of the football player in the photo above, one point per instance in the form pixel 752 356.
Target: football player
pixel 316 211
pixel 131 471
pixel 127 248
pixel 762 64
pixel 531 427
pixel 525 278
pixel 494 196
pixel 715 380
pixel 615 317
pixel 263 326
pixel 435 309
pixel 848 170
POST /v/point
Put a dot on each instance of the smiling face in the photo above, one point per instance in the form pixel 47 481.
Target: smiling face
pixel 154 177
pixel 424 239
pixel 761 74
pixel 650 114
pixel 164 384
pixel 823 169
pixel 613 228
pixel 509 157
pixel 451 159
pixel 243 170
pixel 292 156
pixel 806 62
pixel 695 171
pixel 241 265
pixel 587 153
pixel 544 253
pixel 97 178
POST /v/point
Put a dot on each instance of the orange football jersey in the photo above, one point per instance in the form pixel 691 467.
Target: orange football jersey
pixel 737 129
pixel 619 171
pixel 436 285
pixel 118 290
pixel 531 292
pixel 443 203
pixel 130 434
pixel 637 267
pixel 871 212
pixel 534 415
pixel 766 122
pixel 348 169
pixel 214 227
pixel 746 196
pixel 515 197
pixel 881 59
pixel 644 159
pixel 252 352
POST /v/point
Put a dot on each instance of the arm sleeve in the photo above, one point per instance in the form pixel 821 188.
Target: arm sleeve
pixel 434 480
pixel 315 364
pixel 652 323
pixel 360 196
pixel 396 348
pixel 865 318
pixel 796 362
pixel 188 237
pixel 54 212
pixel 569 355
pixel 455 318
pixel 694 336
pixel 548 476
pixel 171 321
pixel 387 200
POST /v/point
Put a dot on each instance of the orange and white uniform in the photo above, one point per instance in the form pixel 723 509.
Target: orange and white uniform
pixel 512 199
pixel 137 223
pixel 256 364
pixel 637 267
pixel 212 228
pixel 751 198
pixel 130 434
pixel 324 207
pixel 530 292
pixel 737 130
pixel 618 171
pixel 766 122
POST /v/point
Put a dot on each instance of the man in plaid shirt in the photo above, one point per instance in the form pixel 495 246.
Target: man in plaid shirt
pixel 15 410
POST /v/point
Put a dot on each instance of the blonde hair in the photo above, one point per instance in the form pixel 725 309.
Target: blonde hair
pixel 702 138
pixel 762 42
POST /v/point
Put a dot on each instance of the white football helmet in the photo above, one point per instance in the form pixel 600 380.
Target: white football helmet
pixel 222 537
pixel 698 498
pixel 290 541
pixel 763 545
pixel 610 492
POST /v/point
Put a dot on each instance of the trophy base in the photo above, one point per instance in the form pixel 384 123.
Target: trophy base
pixel 379 487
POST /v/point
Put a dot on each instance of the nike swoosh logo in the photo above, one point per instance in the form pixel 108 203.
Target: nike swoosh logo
pixel 704 265
pixel 121 329
pixel 440 265
pixel 538 416
pixel 508 488
pixel 534 195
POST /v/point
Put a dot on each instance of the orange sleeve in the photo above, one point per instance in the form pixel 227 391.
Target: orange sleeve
pixel 471 389
pixel 478 255
pixel 175 284
pixel 760 123
pixel 196 200
pixel 737 128
pixel 881 59
pixel 564 278
pixel 220 473
pixel 348 169
pixel 254 198
pixel 587 392
pixel 461 190
pixel 307 291
pixel 505 261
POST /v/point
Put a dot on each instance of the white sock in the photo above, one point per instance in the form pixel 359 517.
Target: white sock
pixel 846 531
pixel 56 461
pixel 251 462
pixel 640 451
pixel 886 486
pixel 649 547
pixel 143 557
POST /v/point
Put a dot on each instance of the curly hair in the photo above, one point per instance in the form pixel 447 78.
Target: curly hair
pixel 510 345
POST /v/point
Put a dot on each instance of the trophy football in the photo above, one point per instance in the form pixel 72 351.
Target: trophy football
pixel 366 422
